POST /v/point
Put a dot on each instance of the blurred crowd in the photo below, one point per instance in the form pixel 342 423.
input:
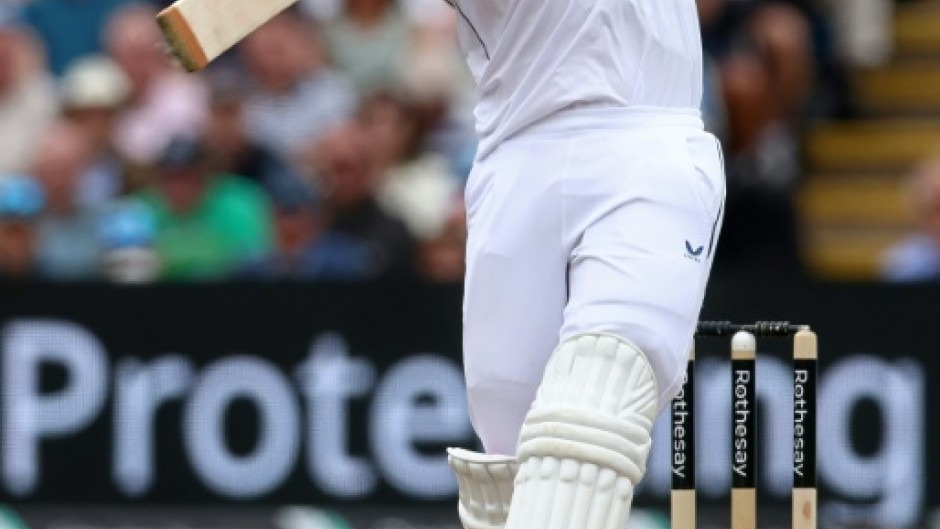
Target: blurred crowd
pixel 321 150
pixel 334 143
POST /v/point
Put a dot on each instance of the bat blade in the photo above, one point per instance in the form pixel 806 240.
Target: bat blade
pixel 198 31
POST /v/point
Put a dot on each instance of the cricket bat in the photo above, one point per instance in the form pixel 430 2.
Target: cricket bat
pixel 198 31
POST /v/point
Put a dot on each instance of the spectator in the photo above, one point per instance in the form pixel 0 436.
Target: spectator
pixel 321 11
pixel 442 258
pixel 93 91
pixel 417 11
pixel 794 34
pixel 783 35
pixel 67 245
pixel 432 14
pixel 917 257
pixel 21 201
pixel 307 250
pixel 442 90
pixel 369 42
pixel 234 152
pixel 163 102
pixel 762 166
pixel 27 94
pixel 208 224
pixel 128 234
pixel 766 87
pixel 348 183
pixel 864 36
pixel 71 29
pixel 414 185
pixel 298 97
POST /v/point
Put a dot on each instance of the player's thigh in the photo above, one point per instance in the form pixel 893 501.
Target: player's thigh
pixel 515 289
pixel 642 263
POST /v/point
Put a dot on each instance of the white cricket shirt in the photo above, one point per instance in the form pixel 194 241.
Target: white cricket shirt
pixel 533 59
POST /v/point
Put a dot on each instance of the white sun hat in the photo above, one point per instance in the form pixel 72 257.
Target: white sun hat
pixel 94 82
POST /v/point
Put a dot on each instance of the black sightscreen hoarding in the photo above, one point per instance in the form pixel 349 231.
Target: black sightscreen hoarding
pixel 343 395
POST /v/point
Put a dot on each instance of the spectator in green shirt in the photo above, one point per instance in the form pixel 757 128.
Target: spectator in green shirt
pixel 208 225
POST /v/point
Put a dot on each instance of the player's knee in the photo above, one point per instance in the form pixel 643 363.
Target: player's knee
pixel 666 351
pixel 596 405
pixel 497 410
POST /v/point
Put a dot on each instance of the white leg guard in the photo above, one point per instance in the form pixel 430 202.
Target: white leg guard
pixel 485 487
pixel 584 444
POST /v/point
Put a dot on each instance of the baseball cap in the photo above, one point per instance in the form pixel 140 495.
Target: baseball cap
pixel 21 197
pixel 183 152
pixel 94 82
pixel 291 194
pixel 128 224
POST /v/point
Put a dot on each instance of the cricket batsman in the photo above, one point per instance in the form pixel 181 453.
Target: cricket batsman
pixel 593 210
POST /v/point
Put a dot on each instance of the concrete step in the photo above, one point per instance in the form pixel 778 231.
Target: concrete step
pixel 855 201
pixel 917 29
pixel 848 221
pixel 872 146
pixel 908 88
pixel 848 253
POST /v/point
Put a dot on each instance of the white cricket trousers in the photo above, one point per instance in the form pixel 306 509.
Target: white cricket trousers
pixel 597 220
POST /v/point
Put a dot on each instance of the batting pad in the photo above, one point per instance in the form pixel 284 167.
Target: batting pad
pixel 584 444
pixel 485 483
